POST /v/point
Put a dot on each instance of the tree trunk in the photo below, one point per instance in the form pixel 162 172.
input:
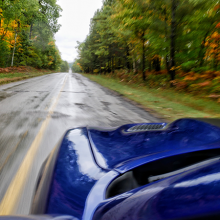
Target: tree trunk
pixel 166 38
pixel 108 70
pixel 143 58
pixel 13 54
pixel 173 41
pixel 156 64
pixel 113 68
pixel 127 58
pixel 134 65
pixel 167 64
pixel 100 67
pixel 150 65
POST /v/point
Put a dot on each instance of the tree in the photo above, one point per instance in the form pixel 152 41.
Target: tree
pixel 27 27
pixel 76 68
pixel 64 66
pixel 152 35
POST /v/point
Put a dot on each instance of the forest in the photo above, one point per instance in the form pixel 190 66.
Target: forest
pixel 175 41
pixel 27 29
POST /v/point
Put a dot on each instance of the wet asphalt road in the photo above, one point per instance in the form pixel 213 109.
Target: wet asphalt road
pixel 35 113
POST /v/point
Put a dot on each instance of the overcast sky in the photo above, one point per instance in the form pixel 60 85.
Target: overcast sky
pixel 75 22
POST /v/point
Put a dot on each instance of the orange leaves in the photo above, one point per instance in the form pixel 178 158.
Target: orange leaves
pixel 21 69
pixel 190 78
pixel 51 43
pixel 51 59
pixel 203 84
pixel 213 42
pixel 78 64
pixel 179 85
pixel 213 46
pixel 140 18
pixel 215 35
pixel 217 7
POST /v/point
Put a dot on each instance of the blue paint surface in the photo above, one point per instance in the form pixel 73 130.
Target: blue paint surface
pixel 75 174
pixel 78 180
pixel 188 195
pixel 115 147
pixel 38 217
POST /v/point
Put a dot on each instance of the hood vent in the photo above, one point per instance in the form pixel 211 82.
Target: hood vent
pixel 146 127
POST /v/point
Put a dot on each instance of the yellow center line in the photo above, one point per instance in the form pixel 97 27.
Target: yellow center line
pixel 10 201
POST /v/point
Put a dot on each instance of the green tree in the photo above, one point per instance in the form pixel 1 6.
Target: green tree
pixel 28 27
pixel 64 66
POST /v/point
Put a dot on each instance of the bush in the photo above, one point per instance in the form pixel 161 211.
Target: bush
pixel 201 69
pixel 96 71
pixel 188 66
pixel 4 53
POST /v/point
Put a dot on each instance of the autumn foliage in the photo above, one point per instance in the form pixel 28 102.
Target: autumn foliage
pixel 167 43
pixel 26 33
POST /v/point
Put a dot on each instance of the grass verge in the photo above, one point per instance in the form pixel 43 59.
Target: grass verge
pixel 20 74
pixel 169 104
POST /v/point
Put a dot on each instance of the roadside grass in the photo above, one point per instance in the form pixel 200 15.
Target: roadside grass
pixel 169 104
pixel 9 77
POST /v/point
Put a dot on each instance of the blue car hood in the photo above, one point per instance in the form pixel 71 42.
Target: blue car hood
pixel 185 135
pixel 190 195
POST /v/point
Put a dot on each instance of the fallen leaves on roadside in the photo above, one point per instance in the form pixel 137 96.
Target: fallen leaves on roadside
pixel 214 96
pixel 206 83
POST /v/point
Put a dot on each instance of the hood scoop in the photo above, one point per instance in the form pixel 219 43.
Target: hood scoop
pixel 146 127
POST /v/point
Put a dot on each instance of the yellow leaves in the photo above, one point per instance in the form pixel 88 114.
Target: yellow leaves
pixel 113 16
pixel 128 1
pixel 206 44
pixel 14 24
pixel 190 78
pixel 139 18
pixel 51 43
pixel 209 12
pixel 51 59
pixel 156 57
pixel 213 45
pixel 20 50
pixel 215 34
